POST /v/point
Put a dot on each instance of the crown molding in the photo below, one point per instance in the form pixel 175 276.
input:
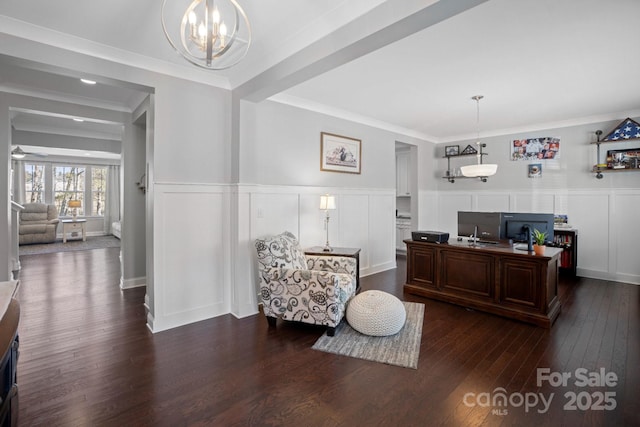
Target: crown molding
pixel 537 127
pixel 317 107
pixel 27 31
pixel 61 97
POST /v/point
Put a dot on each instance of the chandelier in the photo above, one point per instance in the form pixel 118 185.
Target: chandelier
pixel 479 170
pixel 212 34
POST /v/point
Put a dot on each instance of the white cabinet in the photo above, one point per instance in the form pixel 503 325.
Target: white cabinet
pixel 402 174
pixel 403 232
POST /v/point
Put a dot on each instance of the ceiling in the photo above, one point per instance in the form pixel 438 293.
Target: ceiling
pixel 539 64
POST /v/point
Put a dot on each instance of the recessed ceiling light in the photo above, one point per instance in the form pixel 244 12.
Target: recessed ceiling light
pixel 75 119
pixel 88 82
pixel 87 154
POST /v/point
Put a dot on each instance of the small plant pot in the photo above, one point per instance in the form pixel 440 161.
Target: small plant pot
pixel 539 249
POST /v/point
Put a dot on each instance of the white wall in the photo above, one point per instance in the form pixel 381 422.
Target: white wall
pixel 280 145
pixel 191 146
pixel 603 210
pixel 570 171
pixel 282 181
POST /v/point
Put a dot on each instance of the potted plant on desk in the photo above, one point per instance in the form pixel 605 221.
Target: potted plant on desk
pixel 539 238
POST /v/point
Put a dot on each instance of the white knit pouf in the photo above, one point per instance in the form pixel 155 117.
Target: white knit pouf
pixel 376 313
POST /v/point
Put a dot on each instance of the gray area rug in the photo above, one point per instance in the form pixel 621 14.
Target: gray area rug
pixel 401 349
pixel 93 242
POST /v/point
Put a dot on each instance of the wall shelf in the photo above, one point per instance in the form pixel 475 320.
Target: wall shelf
pixel 449 173
pixel 601 168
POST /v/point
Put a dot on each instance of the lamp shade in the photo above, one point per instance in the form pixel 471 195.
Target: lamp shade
pixel 75 203
pixel 482 169
pixel 327 202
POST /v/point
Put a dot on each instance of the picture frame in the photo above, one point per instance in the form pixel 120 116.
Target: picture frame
pixel 528 149
pixel 535 170
pixel 469 149
pixel 623 158
pixel 452 150
pixel 340 153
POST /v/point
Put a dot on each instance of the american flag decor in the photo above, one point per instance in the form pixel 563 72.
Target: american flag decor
pixel 627 129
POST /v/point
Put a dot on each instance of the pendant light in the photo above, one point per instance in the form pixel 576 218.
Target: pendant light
pixel 212 34
pixel 479 170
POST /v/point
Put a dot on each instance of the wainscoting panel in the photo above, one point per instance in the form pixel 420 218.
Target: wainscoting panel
pixel 448 205
pixel 363 218
pixel 354 225
pixel 534 202
pixel 273 213
pixel 244 290
pixel 312 231
pixel 625 232
pixel 589 214
pixel 493 202
pixel 190 236
pixel 381 255
pixel 606 221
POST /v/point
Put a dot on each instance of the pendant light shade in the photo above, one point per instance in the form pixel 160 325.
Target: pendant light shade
pixel 479 170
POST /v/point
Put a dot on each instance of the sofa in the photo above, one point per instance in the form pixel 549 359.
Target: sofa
pixel 38 223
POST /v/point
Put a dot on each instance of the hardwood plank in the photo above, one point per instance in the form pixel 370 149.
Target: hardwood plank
pixel 87 358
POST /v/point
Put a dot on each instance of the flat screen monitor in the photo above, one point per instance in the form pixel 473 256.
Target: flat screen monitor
pixel 515 224
pixel 486 224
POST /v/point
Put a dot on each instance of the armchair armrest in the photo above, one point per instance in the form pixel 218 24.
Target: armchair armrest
pixel 278 286
pixel 298 282
pixel 53 221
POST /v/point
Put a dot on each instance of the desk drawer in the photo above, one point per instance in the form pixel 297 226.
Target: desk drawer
pixel 74 226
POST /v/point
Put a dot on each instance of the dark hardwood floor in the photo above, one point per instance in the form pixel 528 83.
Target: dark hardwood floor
pixel 87 358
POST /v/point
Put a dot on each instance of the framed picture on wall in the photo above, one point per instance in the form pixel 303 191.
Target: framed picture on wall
pixel 340 153
pixel 451 150
pixel 535 170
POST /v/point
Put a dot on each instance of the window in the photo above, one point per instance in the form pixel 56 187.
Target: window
pixel 34 183
pixel 58 183
pixel 98 190
pixel 68 184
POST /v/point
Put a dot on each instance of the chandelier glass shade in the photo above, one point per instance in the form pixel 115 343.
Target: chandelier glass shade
pixel 212 34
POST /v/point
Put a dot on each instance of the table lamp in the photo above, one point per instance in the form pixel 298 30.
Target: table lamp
pixel 327 203
pixel 75 204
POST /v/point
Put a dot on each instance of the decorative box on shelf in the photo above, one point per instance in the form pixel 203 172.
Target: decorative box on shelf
pixel 621 159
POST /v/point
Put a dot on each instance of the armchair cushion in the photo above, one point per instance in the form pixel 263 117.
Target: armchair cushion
pixel 311 290
pixel 281 251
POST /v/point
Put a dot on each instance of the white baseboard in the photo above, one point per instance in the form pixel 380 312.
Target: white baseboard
pixel 15 264
pixel 378 268
pixel 150 322
pixel 136 282
pixel 604 275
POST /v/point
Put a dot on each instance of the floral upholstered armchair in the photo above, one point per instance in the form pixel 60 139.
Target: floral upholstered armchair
pixel 309 289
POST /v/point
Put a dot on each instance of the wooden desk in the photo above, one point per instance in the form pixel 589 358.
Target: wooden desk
pixel 339 252
pixel 498 279
pixel 70 225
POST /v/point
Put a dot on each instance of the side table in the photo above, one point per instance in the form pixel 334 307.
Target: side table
pixel 70 225
pixel 339 252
